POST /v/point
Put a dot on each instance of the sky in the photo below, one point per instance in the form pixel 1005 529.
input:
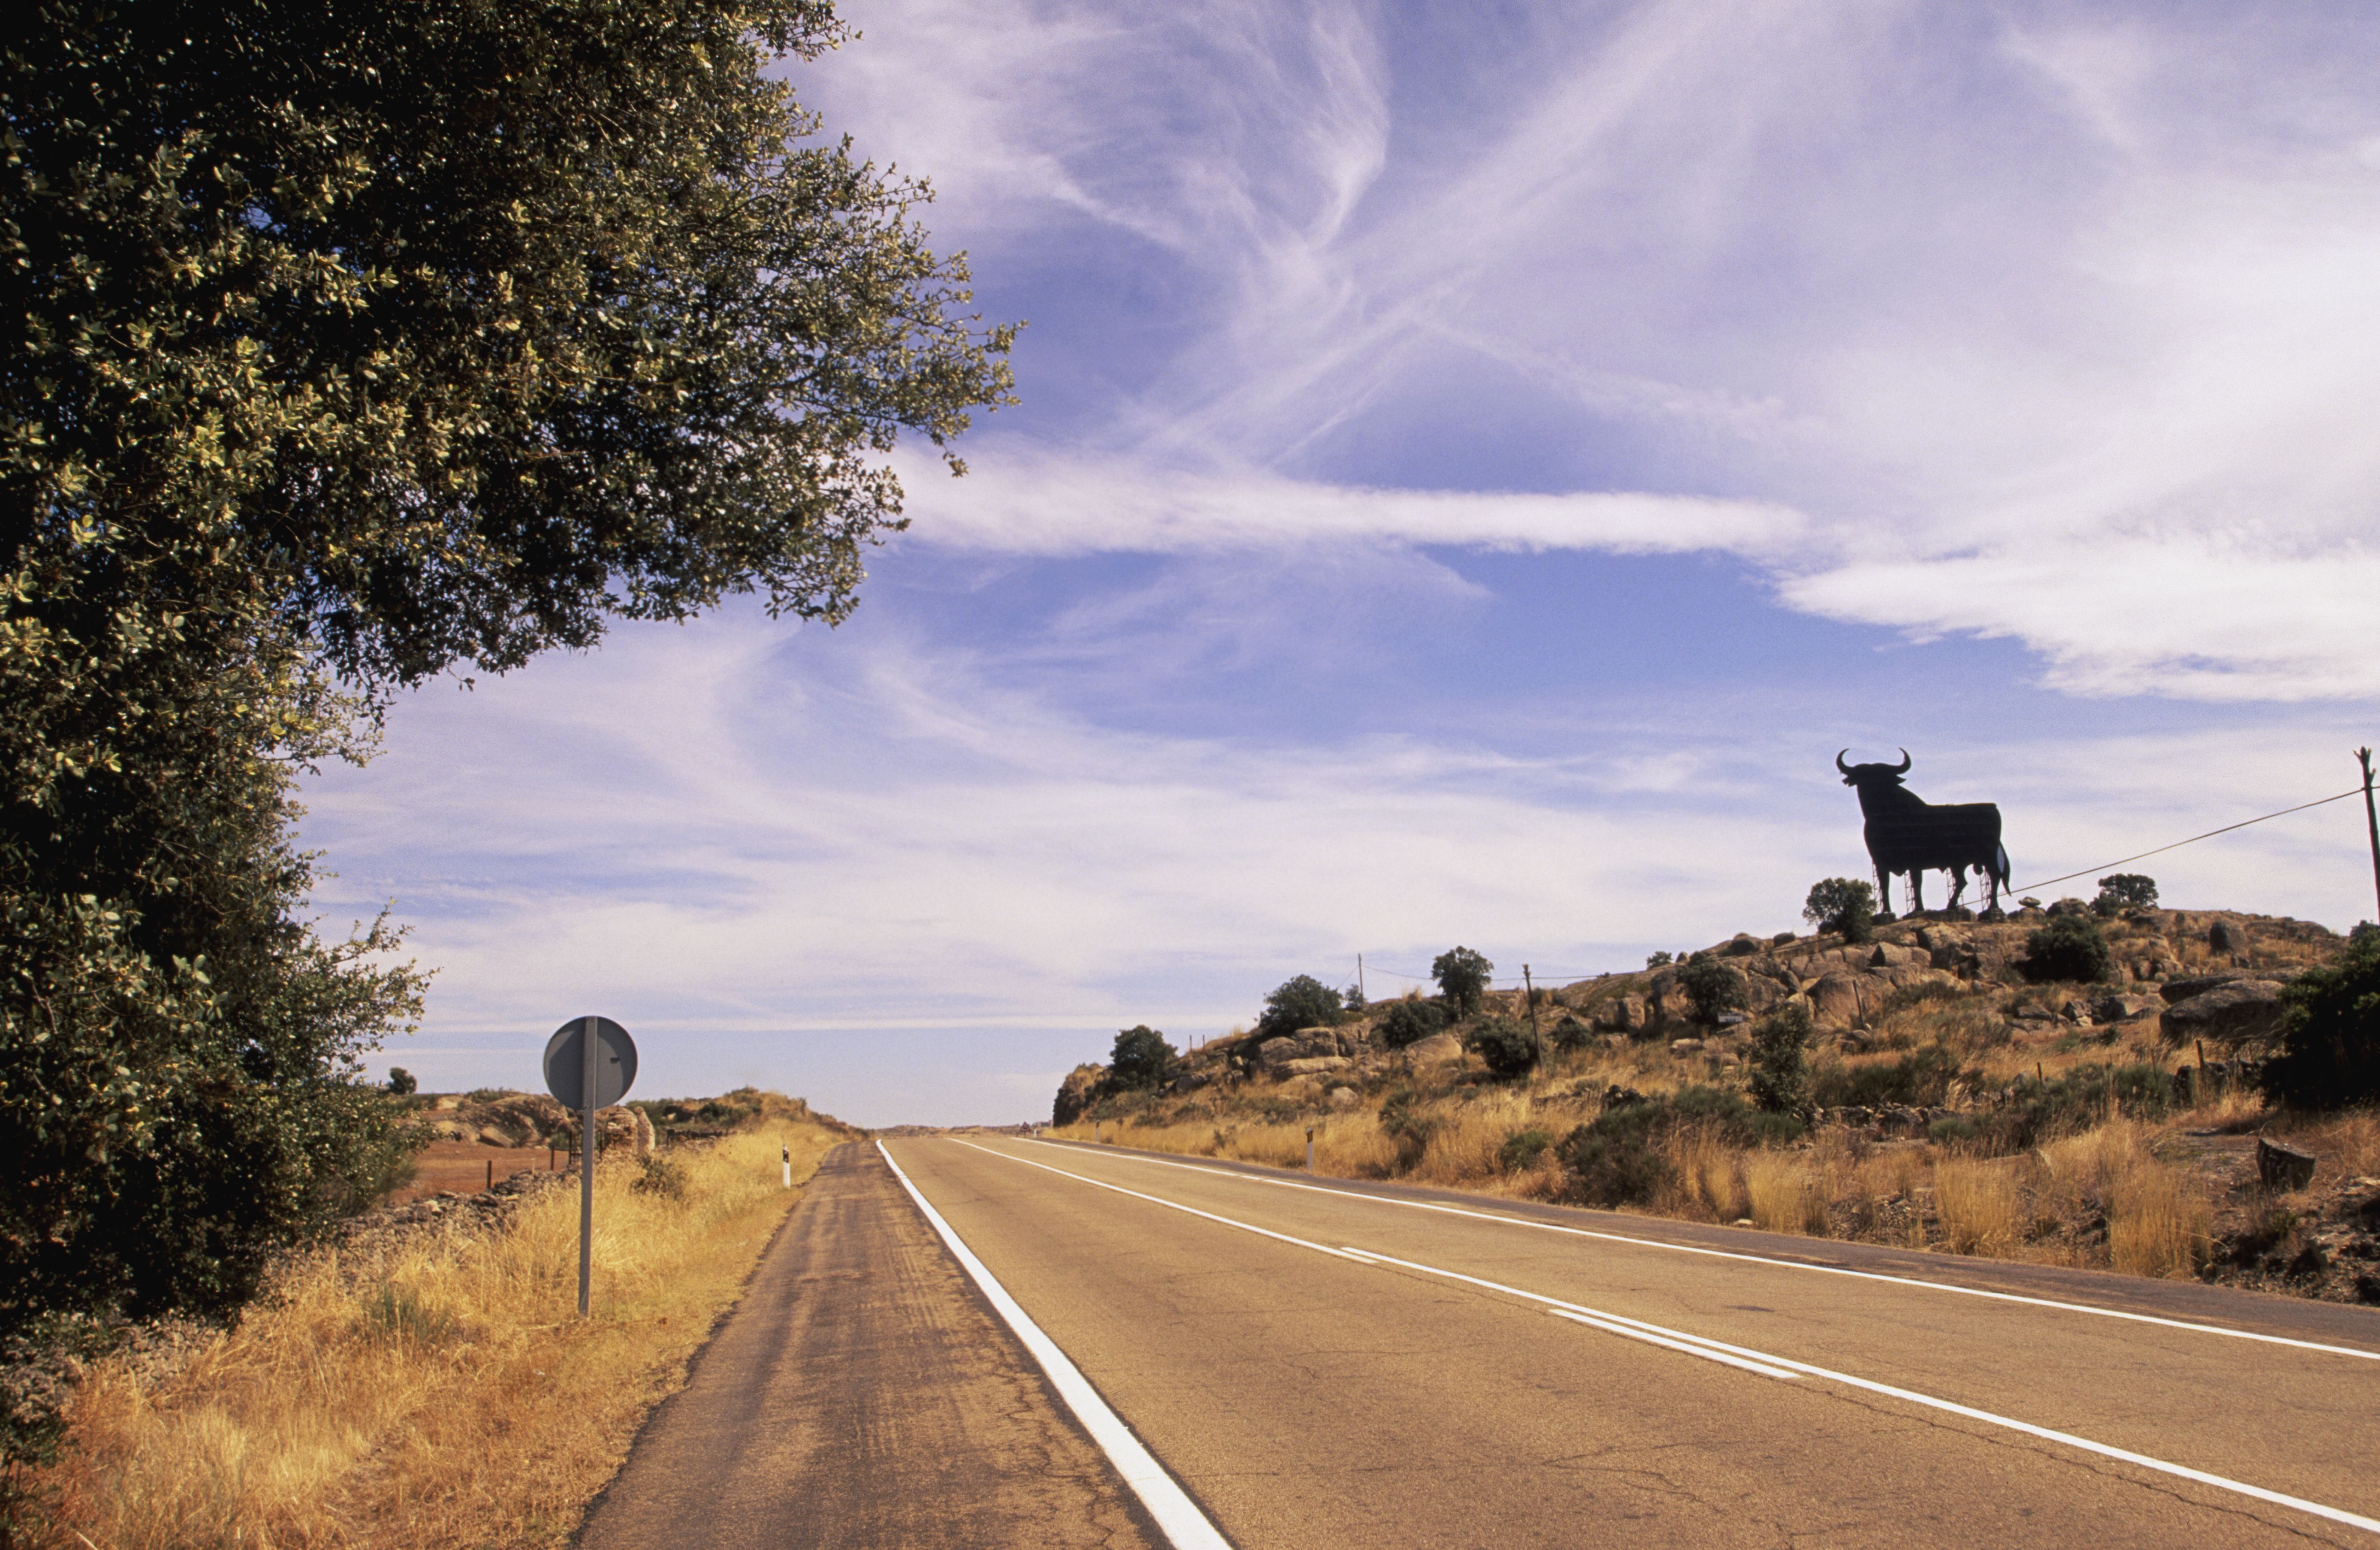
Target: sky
pixel 1475 466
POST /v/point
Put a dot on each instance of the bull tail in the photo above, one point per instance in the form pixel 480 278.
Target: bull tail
pixel 2000 866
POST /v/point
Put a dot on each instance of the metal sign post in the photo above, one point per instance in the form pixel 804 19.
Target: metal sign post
pixel 590 1062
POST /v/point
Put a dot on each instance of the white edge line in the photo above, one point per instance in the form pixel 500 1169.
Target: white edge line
pixel 1177 1516
pixel 1749 1258
pixel 1709 1355
pixel 1639 1329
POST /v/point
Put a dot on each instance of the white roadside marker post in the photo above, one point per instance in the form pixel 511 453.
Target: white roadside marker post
pixel 789 1165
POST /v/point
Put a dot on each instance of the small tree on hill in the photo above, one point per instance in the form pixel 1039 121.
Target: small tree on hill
pixel 1781 1062
pixel 1461 975
pixel 2124 890
pixel 1303 1002
pixel 400 1082
pixel 2330 1032
pixel 1503 1046
pixel 1141 1059
pixel 1711 986
pixel 2070 947
pixel 1843 906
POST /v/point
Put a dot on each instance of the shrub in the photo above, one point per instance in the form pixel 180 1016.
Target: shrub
pixel 1409 1023
pixel 662 1177
pixel 2330 1032
pixel 1843 906
pixel 1608 1167
pixel 2070 947
pixel 1508 1049
pixel 1781 1063
pixel 1141 1059
pixel 1461 975
pixel 1405 1125
pixel 1523 1148
pixel 1711 986
pixel 1782 938
pixel 1918 1079
pixel 1571 1034
pixel 1303 1002
pixel 1654 960
pixel 2124 890
pixel 401 1083
pixel 2038 1111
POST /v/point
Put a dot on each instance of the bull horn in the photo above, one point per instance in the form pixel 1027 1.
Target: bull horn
pixel 1904 763
pixel 1841 764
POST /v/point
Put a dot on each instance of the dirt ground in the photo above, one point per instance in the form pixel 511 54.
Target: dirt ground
pixel 467 1167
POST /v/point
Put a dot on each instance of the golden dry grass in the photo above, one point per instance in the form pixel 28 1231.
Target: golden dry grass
pixel 1976 1204
pixel 434 1389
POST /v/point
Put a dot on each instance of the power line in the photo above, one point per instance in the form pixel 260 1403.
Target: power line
pixel 2210 834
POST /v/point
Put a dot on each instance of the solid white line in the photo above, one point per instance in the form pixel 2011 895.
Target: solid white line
pixel 1662 1335
pixel 1184 1525
pixel 1752 1258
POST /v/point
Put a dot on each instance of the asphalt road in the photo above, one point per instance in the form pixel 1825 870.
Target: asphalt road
pixel 1530 1376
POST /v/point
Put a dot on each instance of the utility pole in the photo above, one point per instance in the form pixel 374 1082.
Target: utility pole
pixel 1359 980
pixel 1529 994
pixel 2371 821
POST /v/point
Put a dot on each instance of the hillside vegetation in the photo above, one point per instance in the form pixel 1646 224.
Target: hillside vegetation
pixel 1944 1085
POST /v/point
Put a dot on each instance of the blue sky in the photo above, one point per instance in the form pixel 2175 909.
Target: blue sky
pixel 1476 466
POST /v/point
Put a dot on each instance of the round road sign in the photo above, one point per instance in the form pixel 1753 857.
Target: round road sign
pixel 566 1062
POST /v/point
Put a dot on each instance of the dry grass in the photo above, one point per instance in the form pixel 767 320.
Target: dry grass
pixel 2159 1222
pixel 433 1388
pixel 1976 1204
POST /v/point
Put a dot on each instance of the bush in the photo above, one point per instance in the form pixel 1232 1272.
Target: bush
pixel 2124 890
pixel 2038 1111
pixel 1781 1062
pixel 1523 1148
pixel 1461 975
pixel 661 1177
pixel 1406 1126
pixel 1141 1059
pixel 1605 1167
pixel 2330 1032
pixel 1571 1034
pixel 1617 1159
pixel 2070 947
pixel 1654 960
pixel 401 1083
pixel 1918 1079
pixel 1409 1023
pixel 1303 1002
pixel 1711 986
pixel 1508 1049
pixel 1843 906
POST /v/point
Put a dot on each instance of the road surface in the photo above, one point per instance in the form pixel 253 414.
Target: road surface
pixel 1319 1363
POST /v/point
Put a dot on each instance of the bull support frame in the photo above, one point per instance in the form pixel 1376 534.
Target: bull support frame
pixel 1906 834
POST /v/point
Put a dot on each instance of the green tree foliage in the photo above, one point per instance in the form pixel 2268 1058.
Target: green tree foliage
pixel 1844 905
pixel 1505 1047
pixel 1410 1021
pixel 1711 986
pixel 1461 977
pixel 350 342
pixel 1780 1060
pixel 1303 1002
pixel 2329 1053
pixel 2070 947
pixel 1141 1059
pixel 2124 890
pixel 401 1082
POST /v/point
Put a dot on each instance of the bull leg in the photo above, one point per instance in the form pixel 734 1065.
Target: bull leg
pixel 1883 893
pixel 1916 891
pixel 1957 878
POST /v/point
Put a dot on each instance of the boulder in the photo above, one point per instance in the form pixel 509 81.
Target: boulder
pixel 1889 955
pixel 1313 1065
pixel 1436 1047
pixel 2224 937
pixel 1342 1098
pixel 1076 1093
pixel 1620 1014
pixel 1685 1046
pixel 2196 984
pixel 2112 1007
pixel 2283 1168
pixel 2240 1013
pixel 1742 946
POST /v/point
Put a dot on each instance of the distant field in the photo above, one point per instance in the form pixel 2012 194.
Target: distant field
pixel 464 1167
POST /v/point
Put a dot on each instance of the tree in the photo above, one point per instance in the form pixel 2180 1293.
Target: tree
pixel 1711 986
pixel 1301 1002
pixel 2329 1054
pixel 1781 1062
pixel 400 1082
pixel 1461 977
pixel 1503 1047
pixel 2124 890
pixel 1141 1059
pixel 349 344
pixel 1843 906
pixel 2070 947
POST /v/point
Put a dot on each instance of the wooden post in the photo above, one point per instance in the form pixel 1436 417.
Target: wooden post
pixel 491 1173
pixel 2371 821
pixel 1529 995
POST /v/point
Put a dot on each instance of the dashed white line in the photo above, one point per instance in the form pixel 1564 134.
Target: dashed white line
pixel 1502 1220
pixel 1760 1362
pixel 1182 1524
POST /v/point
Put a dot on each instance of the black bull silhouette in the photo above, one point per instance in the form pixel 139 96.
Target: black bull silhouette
pixel 1906 834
